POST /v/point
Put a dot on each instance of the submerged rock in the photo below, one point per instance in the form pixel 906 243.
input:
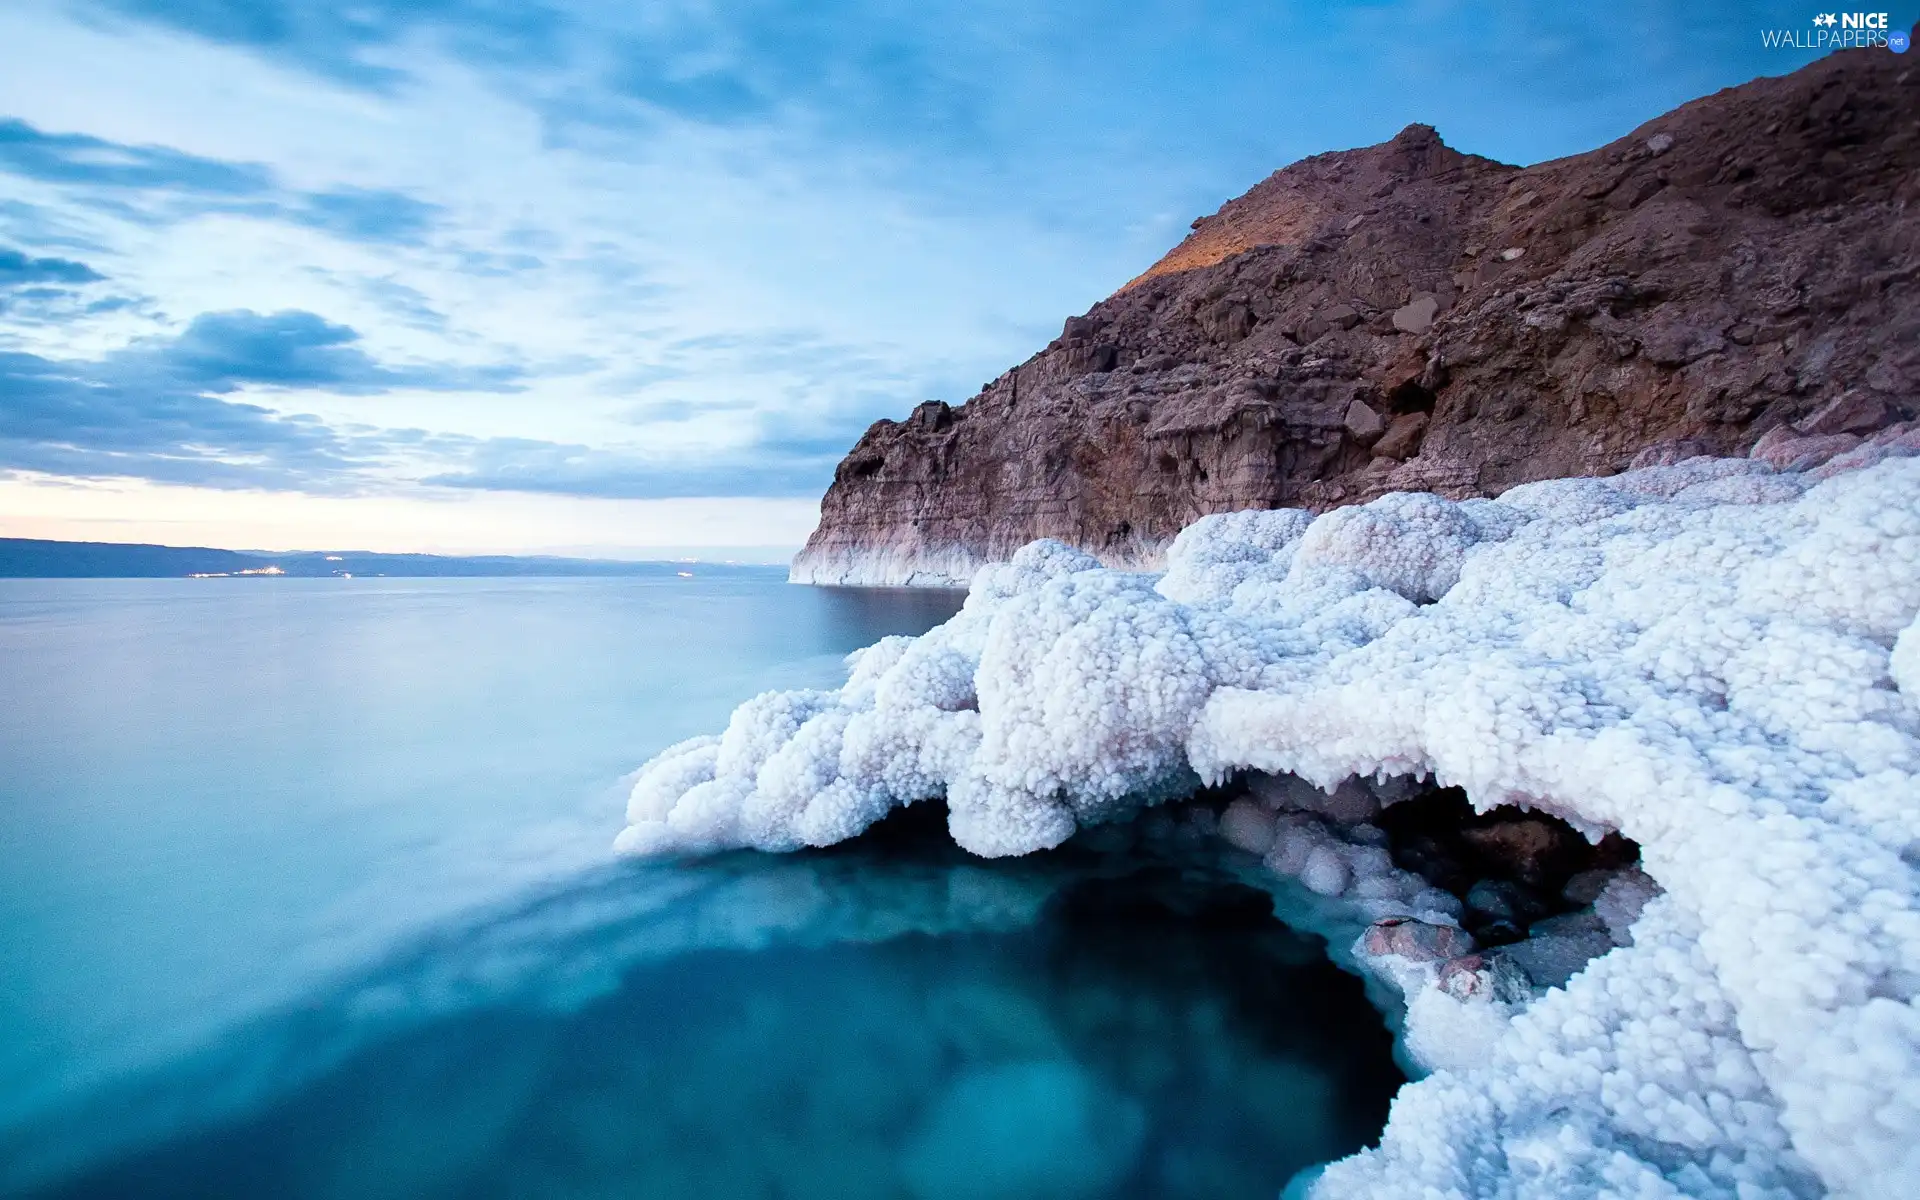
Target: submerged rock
pixel 1415 941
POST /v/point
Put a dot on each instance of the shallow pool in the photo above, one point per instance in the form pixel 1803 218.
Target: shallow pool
pixel 886 1020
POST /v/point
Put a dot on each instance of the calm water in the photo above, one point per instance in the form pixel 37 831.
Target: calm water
pixel 308 894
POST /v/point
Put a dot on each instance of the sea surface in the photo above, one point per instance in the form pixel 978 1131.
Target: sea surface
pixel 307 892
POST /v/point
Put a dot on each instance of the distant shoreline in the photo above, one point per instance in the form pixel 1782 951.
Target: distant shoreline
pixel 37 558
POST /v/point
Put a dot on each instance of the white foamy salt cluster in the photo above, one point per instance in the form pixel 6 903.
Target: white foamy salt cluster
pixel 1714 658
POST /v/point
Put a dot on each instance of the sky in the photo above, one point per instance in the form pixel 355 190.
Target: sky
pixel 627 277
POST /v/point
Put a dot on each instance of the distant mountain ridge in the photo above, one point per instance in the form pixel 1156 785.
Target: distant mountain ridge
pixel 35 558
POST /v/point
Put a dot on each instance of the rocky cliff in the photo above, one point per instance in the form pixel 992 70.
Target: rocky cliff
pixel 1738 276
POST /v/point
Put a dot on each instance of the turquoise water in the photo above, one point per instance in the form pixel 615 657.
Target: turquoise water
pixel 308 894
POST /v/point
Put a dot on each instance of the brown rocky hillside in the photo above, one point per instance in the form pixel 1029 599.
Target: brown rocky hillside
pixel 1407 317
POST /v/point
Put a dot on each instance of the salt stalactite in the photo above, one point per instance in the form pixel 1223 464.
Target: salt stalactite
pixel 1716 659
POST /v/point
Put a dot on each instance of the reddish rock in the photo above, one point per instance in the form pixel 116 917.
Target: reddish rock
pixel 1483 977
pixel 1854 412
pixel 1783 449
pixel 1531 849
pixel 1414 940
pixel 1902 439
pixel 1403 437
pixel 1742 264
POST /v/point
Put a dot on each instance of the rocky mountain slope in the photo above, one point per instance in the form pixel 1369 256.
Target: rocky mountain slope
pixel 1737 276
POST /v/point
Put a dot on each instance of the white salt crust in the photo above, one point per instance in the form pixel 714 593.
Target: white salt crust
pixel 1720 661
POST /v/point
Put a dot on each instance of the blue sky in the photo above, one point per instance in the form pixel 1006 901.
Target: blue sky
pixel 609 277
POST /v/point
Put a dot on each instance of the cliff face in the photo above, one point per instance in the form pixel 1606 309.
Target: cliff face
pixel 1407 317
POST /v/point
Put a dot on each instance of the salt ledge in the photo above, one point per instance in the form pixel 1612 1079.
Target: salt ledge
pixel 1717 659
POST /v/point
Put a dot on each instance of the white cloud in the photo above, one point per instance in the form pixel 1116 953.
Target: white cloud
pixel 899 220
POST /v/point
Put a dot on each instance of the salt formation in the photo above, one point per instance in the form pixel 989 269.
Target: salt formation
pixel 1715 658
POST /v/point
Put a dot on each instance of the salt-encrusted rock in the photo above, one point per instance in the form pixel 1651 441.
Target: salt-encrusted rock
pixel 1900 440
pixel 1489 977
pixel 1788 450
pixel 1415 941
pixel 1325 871
pixel 1349 803
pixel 1348 862
pixel 1218 553
pixel 1412 544
pixel 1710 658
pixel 1550 959
pixel 1248 825
pixel 1620 902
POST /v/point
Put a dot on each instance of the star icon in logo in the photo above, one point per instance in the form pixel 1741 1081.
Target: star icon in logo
pixel 1827 19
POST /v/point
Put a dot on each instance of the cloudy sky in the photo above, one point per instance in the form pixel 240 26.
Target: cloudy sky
pixel 613 276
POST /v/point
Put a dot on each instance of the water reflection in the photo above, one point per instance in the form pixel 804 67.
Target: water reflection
pixel 221 793
pixel 864 615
